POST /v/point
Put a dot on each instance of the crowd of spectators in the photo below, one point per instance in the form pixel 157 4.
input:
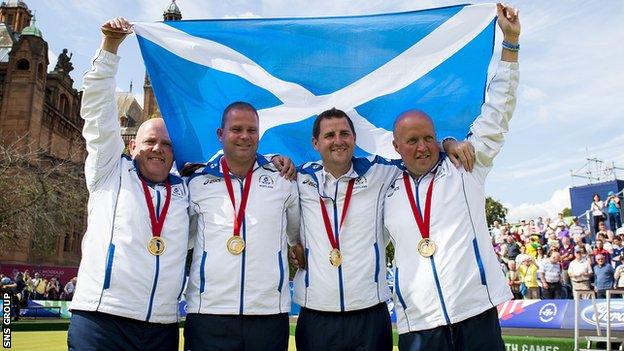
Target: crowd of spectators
pixel 550 259
pixel 23 287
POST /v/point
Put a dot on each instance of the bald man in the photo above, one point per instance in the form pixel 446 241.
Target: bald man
pixel 448 281
pixel 133 253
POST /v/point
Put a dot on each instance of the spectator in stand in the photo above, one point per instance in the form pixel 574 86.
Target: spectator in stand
pixel 20 287
pixel 7 286
pixel 532 245
pixel 528 277
pixel 495 231
pixel 596 211
pixel 500 240
pixel 28 290
pixel 68 290
pixel 523 230
pixel 550 273
pixel 540 225
pixel 540 255
pixel 39 286
pixel 619 277
pixel 552 243
pixel 562 231
pixel 513 279
pixel 607 235
pixel 604 276
pixel 580 270
pixel 53 289
pixel 613 206
pixel 600 250
pixel 513 249
pixel 550 233
pixel 576 230
pixel 616 252
pixel 567 255
pixel 533 228
pixel 578 241
pixel 513 231
pixel 522 255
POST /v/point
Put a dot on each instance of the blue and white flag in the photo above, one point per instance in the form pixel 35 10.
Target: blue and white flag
pixel 373 67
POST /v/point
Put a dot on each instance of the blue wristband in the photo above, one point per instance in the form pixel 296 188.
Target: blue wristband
pixel 511 47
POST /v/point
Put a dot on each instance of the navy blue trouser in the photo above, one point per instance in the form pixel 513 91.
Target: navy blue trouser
pixel 368 329
pixel 94 331
pixel 236 332
pixel 481 332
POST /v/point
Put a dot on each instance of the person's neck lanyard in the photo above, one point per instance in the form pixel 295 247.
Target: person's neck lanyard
pixel 235 244
pixel 335 256
pixel 426 246
pixel 156 246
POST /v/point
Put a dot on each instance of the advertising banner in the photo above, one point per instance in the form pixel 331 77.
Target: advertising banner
pixel 64 273
pixel 559 314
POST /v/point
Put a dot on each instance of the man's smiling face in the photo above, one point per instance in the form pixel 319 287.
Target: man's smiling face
pixel 152 150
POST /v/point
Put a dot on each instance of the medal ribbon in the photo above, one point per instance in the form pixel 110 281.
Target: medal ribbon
pixel 335 244
pixel 157 224
pixel 423 225
pixel 238 219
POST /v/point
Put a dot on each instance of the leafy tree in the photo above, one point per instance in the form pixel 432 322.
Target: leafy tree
pixel 567 212
pixel 494 211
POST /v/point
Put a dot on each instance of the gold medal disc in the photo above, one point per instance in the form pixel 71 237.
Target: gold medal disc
pixel 426 247
pixel 335 257
pixel 156 246
pixel 235 245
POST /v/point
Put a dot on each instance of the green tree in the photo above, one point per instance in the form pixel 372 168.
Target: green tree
pixel 494 211
pixel 567 212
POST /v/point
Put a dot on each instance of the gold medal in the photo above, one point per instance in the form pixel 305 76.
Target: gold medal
pixel 156 246
pixel 235 245
pixel 335 257
pixel 426 247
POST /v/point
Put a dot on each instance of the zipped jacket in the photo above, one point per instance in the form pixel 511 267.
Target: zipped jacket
pixel 360 281
pixel 463 278
pixel 254 282
pixel 117 274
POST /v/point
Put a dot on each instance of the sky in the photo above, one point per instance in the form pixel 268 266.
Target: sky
pixel 569 98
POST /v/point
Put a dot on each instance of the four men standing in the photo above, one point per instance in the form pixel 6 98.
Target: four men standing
pixel 243 216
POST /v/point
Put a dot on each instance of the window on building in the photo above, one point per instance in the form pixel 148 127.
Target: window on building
pixel 64 105
pixel 41 71
pixel 23 65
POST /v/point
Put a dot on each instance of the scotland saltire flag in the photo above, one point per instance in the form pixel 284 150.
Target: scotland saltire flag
pixel 373 67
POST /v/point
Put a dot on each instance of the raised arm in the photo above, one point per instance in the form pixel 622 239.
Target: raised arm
pixel 101 128
pixel 487 131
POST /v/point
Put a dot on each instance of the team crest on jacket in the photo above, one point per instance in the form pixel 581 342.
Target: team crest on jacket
pixel 266 181
pixel 360 183
pixel 177 191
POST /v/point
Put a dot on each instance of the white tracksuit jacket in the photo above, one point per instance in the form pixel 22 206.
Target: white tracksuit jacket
pixel 463 278
pixel 256 281
pixel 117 274
pixel 360 281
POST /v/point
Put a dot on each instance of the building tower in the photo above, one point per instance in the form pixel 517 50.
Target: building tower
pixel 16 15
pixel 23 86
pixel 150 106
